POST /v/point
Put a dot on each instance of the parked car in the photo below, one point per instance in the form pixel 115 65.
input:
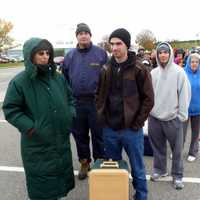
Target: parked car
pixel 12 58
pixel 59 61
pixel 8 58
pixel 18 58
pixel 2 60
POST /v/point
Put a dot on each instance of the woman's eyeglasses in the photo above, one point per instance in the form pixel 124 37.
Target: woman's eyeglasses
pixel 41 53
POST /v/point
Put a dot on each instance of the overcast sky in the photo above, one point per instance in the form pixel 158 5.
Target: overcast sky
pixel 56 20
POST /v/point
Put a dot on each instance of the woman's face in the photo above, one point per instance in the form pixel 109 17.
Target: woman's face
pixel 194 63
pixel 41 57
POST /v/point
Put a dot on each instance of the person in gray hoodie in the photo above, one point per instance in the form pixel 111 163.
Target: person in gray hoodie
pixel 172 97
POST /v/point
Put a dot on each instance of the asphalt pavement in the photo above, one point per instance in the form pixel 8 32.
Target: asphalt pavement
pixel 12 177
pixel 6 74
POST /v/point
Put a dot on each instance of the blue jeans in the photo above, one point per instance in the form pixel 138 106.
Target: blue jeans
pixel 132 142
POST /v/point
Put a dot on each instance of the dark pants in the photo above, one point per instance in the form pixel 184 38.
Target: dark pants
pixel 87 120
pixel 195 126
pixel 133 144
pixel 159 133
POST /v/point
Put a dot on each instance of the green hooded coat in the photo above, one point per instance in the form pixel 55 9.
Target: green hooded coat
pixel 44 103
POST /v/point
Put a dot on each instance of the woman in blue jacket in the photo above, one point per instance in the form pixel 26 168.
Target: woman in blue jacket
pixel 192 70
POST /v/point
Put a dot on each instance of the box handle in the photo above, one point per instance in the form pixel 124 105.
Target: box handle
pixel 110 164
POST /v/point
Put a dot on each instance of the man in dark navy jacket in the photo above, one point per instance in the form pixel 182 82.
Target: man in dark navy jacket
pixel 82 66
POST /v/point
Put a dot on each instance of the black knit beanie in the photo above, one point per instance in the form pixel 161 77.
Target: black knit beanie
pixel 83 27
pixel 123 35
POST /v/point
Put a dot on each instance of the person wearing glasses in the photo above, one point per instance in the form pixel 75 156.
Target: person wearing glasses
pixel 39 104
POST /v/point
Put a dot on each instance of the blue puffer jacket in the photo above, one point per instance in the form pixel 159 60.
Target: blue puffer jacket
pixel 82 68
pixel 194 78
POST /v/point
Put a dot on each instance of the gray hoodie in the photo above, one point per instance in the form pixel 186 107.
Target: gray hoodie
pixel 171 89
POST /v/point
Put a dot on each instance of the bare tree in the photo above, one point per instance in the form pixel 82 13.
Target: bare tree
pixel 146 39
pixel 105 43
pixel 5 40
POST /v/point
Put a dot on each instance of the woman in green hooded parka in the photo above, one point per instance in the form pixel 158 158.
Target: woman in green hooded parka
pixel 39 104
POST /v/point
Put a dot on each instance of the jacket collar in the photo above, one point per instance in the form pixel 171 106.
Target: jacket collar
pixel 85 50
pixel 131 61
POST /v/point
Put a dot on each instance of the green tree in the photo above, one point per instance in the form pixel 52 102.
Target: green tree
pixel 146 39
pixel 5 40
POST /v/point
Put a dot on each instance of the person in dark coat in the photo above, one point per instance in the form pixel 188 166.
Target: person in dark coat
pixel 39 104
pixel 124 99
pixel 140 52
pixel 82 66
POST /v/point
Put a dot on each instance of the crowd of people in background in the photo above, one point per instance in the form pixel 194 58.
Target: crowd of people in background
pixel 148 57
pixel 110 97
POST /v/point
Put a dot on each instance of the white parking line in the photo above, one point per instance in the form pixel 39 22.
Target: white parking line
pixel 11 169
pixel 185 179
pixel 21 169
pixel 165 179
pixel 3 121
